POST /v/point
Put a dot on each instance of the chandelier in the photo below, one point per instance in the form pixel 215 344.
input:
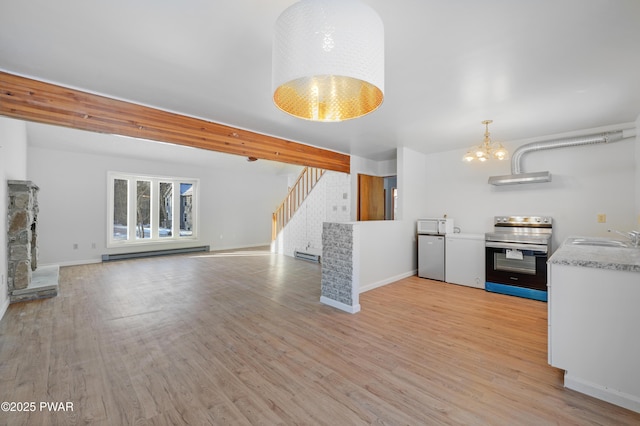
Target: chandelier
pixel 328 60
pixel 486 149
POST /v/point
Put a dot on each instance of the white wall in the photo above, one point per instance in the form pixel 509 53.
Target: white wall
pixel 413 197
pixel 386 250
pixel 13 166
pixel 235 208
pixel 412 185
pixel 637 225
pixel 586 181
pixel 382 254
pixel 329 201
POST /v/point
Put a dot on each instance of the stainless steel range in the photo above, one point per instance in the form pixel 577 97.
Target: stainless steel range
pixel 516 256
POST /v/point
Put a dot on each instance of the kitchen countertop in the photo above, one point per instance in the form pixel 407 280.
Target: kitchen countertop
pixel 615 258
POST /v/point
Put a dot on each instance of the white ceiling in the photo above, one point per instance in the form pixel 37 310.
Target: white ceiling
pixel 535 67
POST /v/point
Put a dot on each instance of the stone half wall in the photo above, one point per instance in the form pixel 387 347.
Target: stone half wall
pixel 338 288
pixel 22 247
pixel 24 280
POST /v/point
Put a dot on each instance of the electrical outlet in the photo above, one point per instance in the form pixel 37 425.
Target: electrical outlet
pixel 93 245
pixel 602 218
pixel 75 246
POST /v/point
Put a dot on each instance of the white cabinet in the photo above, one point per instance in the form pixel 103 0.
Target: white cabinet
pixel 464 259
pixel 594 334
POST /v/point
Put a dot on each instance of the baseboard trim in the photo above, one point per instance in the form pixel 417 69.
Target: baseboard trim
pixel 387 281
pixel 621 399
pixel 339 305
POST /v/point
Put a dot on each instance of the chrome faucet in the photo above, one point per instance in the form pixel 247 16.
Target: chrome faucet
pixel 633 236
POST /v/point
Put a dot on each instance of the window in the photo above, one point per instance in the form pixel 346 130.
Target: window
pixel 141 209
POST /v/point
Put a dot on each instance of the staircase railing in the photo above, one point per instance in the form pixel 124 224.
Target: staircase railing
pixel 297 194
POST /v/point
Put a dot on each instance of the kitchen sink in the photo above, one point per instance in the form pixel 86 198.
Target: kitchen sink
pixel 594 241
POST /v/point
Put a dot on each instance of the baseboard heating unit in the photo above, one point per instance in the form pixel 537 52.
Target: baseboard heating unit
pixel 152 253
pixel 311 257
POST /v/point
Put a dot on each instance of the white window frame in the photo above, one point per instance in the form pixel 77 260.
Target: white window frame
pixel 154 237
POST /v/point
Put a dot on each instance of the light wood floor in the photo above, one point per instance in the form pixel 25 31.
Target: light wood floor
pixel 242 339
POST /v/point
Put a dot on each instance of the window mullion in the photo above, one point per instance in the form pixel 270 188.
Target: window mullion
pixel 132 210
pixel 155 210
pixel 175 213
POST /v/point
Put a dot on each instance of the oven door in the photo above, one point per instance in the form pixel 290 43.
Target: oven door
pixel 521 265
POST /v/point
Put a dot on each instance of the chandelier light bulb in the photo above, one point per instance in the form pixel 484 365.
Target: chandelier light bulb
pixel 468 157
pixel 500 153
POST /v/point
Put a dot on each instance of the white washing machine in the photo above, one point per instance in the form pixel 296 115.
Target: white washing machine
pixel 464 259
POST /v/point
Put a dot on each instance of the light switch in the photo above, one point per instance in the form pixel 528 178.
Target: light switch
pixel 602 218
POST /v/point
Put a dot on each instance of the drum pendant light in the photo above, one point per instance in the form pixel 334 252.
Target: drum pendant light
pixel 328 60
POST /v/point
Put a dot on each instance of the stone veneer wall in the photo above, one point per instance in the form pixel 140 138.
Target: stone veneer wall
pixel 22 248
pixel 338 265
pixel 25 279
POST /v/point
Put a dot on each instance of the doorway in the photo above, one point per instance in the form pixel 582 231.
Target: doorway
pixel 377 197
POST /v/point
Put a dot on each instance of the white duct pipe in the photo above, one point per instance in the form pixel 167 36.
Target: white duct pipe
pixel 517 176
pixel 608 137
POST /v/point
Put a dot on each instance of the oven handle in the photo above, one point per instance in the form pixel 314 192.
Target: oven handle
pixel 532 247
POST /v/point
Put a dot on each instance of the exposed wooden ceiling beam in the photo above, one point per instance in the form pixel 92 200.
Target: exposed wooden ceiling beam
pixel 34 100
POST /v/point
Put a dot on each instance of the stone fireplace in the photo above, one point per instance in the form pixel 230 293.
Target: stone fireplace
pixel 25 281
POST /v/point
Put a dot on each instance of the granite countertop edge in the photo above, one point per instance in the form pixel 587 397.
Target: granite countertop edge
pixel 611 258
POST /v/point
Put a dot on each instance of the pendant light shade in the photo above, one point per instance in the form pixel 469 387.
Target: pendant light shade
pixel 328 60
